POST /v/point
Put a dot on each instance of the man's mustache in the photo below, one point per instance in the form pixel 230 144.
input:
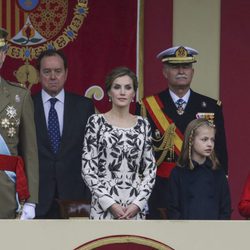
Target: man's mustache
pixel 181 76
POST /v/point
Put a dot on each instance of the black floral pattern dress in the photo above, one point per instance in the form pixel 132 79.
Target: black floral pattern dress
pixel 118 165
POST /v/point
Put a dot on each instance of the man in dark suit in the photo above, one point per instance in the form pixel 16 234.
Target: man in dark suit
pixel 60 119
pixel 169 112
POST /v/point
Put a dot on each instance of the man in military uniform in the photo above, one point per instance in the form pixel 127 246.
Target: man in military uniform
pixel 18 182
pixel 169 112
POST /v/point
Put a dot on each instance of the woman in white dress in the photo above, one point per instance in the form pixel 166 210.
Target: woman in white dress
pixel 118 164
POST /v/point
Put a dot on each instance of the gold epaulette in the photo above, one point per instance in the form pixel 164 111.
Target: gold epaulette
pixel 143 109
pixel 218 102
pixel 16 84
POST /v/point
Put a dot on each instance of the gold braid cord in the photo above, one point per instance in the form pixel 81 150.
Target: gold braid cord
pixel 167 145
pixel 143 109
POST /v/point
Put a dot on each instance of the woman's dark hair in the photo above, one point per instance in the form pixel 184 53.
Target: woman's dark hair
pixel 119 72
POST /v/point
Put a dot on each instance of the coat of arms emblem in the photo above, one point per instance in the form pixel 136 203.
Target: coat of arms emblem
pixel 35 25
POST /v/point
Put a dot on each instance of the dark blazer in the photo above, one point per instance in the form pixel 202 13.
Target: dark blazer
pixel 61 173
pixel 198 194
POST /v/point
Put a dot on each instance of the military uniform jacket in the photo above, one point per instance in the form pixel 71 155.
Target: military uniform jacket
pixel 197 103
pixel 18 131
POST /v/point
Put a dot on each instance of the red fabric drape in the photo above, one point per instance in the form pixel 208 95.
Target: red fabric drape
pixel 234 91
pixel 106 39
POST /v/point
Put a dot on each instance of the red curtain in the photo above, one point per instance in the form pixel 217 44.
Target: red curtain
pixel 158 22
pixel 106 39
pixel 234 89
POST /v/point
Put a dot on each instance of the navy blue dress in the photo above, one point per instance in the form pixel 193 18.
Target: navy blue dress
pixel 199 194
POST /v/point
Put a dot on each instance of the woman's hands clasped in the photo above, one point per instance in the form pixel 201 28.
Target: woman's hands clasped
pixel 124 213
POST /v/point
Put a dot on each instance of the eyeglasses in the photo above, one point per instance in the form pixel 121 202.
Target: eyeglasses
pixel 50 72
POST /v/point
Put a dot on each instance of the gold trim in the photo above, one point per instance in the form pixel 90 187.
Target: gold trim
pixel 2 42
pixel 167 145
pixel 18 52
pixel 163 121
pixel 141 50
pixel 179 59
pixel 219 102
pixel 124 239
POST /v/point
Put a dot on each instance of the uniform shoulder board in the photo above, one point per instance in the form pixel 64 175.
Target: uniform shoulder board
pixel 218 103
pixel 20 85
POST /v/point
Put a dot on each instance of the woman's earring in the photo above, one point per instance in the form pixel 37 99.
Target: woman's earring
pixel 109 99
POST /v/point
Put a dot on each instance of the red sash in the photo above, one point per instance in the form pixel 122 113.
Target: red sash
pixel 15 164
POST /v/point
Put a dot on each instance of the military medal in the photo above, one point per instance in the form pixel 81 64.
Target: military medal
pixel 17 98
pixel 17 122
pixel 180 111
pixel 180 106
pixel 11 132
pixel 5 123
pixel 11 112
pixel 208 116
pixel 157 134
pixel 10 122
pixel 203 104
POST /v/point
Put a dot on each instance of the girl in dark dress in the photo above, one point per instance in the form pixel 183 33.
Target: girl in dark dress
pixel 198 187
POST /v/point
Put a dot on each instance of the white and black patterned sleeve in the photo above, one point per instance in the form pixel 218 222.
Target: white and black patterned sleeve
pixel 90 162
pixel 147 169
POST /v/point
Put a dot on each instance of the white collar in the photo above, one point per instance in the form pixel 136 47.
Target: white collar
pixel 60 96
pixel 175 98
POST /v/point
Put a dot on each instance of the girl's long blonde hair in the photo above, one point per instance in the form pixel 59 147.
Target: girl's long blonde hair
pixel 185 158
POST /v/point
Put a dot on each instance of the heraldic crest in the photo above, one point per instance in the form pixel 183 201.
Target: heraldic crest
pixel 36 25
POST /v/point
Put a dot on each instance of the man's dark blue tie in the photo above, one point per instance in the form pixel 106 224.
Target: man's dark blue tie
pixel 53 126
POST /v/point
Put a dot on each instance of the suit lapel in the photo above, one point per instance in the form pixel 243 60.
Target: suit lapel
pixel 41 121
pixel 189 105
pixel 67 120
pixel 168 105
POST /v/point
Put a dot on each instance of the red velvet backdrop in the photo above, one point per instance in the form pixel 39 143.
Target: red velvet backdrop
pixel 234 89
pixel 157 37
pixel 106 39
